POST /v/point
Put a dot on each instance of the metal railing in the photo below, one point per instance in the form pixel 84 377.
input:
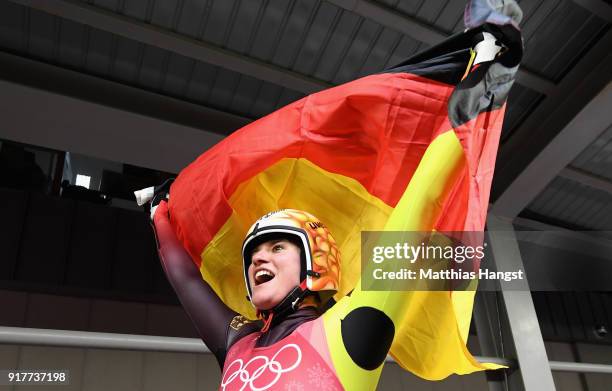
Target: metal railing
pixel 95 340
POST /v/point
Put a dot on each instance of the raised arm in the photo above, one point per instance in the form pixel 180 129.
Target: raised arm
pixel 209 314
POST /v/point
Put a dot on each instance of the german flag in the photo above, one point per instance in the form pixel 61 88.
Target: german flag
pixel 426 130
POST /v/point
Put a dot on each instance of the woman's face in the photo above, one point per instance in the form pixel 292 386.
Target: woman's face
pixel 274 272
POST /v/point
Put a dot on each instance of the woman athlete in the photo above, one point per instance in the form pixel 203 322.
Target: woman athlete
pixel 291 270
pixel 292 263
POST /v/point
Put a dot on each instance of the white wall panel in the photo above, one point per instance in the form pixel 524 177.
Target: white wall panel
pixel 115 370
pixel 564 381
pixel 599 354
pixel 170 371
pixel 44 357
pixel 453 383
pixel 475 381
pixel 209 374
pixel 9 359
pixel 392 379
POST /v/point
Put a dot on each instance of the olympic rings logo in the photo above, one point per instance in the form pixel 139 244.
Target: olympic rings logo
pixel 237 369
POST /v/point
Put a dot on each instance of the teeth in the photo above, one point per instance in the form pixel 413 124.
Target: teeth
pixel 263 276
pixel 263 273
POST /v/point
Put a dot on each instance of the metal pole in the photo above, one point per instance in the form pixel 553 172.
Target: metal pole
pixel 535 373
pixel 485 322
pixel 563 366
pixel 86 339
pixel 94 340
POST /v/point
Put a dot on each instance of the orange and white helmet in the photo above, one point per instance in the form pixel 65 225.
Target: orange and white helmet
pixel 320 257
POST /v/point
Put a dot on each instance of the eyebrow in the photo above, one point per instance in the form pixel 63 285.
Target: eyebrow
pixel 272 243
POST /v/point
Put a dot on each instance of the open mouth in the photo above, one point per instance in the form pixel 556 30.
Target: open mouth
pixel 262 276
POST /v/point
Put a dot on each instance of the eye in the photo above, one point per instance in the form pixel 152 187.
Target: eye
pixel 277 247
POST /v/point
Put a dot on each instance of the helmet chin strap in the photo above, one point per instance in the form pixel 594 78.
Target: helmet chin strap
pixel 289 304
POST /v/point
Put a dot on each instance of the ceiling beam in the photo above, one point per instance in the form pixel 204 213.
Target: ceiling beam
pixel 127 27
pixel 63 81
pixel 392 19
pixel 596 242
pixel 421 32
pixel 587 179
pixel 590 122
pixel 130 28
pixel 597 7
pixel 583 81
pixel 51 120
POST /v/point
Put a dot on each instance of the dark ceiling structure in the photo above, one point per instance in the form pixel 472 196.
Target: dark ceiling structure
pixel 217 65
